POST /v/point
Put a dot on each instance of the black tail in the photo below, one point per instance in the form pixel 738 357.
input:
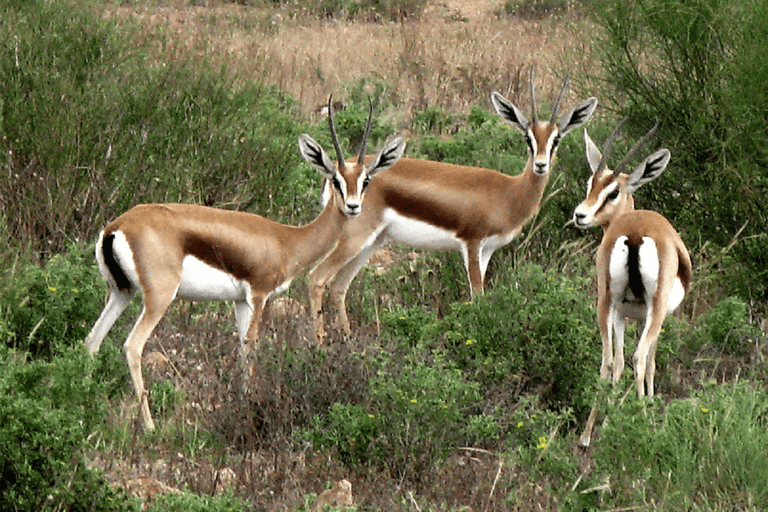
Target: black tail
pixel 107 250
pixel 633 269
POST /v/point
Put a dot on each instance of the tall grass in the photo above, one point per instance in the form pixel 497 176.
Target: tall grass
pixel 90 125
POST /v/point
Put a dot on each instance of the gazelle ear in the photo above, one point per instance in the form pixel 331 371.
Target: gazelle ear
pixel 387 157
pixel 316 155
pixel 593 154
pixel 649 169
pixel 507 110
pixel 579 115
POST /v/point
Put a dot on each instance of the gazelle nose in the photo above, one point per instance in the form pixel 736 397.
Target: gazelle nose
pixel 353 209
pixel 578 218
pixel 540 167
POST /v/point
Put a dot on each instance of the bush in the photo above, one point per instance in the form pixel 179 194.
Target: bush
pixel 47 411
pixel 46 308
pixel 534 333
pixel 693 65
pixel 690 453
pixel 88 129
pixel 418 410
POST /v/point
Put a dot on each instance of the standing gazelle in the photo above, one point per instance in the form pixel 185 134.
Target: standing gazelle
pixel 436 205
pixel 198 253
pixel 643 266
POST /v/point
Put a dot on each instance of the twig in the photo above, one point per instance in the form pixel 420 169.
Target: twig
pixel 410 495
pixel 493 487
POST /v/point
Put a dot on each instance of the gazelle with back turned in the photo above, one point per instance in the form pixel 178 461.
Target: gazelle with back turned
pixel 643 266
pixel 194 252
pixel 436 205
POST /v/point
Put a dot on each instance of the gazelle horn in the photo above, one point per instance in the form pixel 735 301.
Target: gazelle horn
pixel 334 135
pixel 556 104
pixel 534 109
pixel 364 143
pixel 608 146
pixel 632 152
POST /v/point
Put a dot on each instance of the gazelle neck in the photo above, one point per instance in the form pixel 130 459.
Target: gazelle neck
pixel 626 206
pixel 312 241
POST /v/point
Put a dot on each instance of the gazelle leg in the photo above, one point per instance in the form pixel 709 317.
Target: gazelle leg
pixel 606 319
pixel 472 263
pixel 340 285
pixel 586 435
pixel 154 309
pixel 117 301
pixel 619 323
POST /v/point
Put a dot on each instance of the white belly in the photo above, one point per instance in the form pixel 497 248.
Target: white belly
pixel 416 233
pixel 200 281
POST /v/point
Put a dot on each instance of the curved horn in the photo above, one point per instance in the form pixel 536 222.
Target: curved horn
pixel 534 109
pixel 632 152
pixel 556 104
pixel 364 143
pixel 608 146
pixel 334 136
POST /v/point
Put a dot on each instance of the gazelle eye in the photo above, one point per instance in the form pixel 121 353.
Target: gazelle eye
pixel 613 195
pixel 366 181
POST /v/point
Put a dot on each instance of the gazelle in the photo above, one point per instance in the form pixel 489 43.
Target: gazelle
pixel 199 253
pixel 436 205
pixel 643 266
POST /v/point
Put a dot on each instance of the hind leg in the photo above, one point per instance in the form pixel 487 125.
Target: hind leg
pixel 117 301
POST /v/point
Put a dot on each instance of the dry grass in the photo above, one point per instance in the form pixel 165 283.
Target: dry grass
pixel 452 57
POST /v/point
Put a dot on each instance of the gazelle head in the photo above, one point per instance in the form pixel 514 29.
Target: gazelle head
pixel 543 137
pixel 344 181
pixel 609 193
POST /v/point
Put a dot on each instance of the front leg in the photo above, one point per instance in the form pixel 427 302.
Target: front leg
pixel 248 315
pixel 470 251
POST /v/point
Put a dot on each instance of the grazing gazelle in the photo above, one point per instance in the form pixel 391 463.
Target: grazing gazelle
pixel 441 206
pixel 643 266
pixel 194 252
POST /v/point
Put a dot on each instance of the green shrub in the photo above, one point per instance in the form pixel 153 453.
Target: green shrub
pixel 47 307
pixel 689 453
pixel 695 67
pixel 534 332
pixel 727 326
pixel 90 127
pixel 419 408
pixel 189 502
pixel 47 410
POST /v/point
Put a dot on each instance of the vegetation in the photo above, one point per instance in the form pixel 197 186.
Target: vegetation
pixel 436 403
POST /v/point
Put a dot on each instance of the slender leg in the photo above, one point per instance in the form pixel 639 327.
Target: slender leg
pixel 340 285
pixel 471 254
pixel 117 301
pixel 155 306
pixel 619 323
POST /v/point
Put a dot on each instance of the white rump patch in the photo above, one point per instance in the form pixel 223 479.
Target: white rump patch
pixel 618 269
pixel 123 254
pixel 648 255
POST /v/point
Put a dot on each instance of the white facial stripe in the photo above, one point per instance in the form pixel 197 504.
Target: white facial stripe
pixel 589 184
pixel 360 180
pixel 603 197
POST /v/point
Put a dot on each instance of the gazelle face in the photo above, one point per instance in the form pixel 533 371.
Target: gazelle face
pixel 609 193
pixel 542 140
pixel 350 183
pixel 543 137
pixel 606 196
